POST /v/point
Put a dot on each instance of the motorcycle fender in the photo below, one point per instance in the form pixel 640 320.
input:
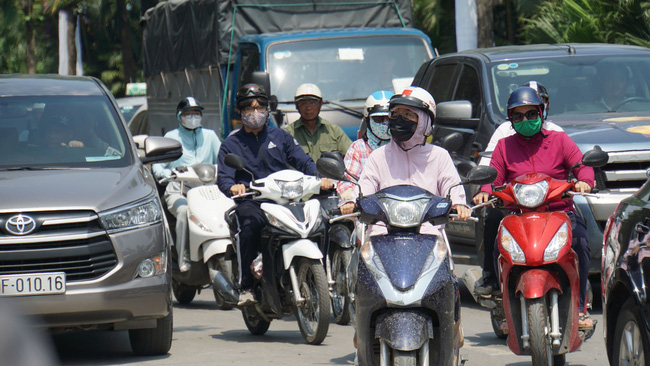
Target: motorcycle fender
pixel 340 234
pixel 404 330
pixel 214 247
pixel 535 283
pixel 300 248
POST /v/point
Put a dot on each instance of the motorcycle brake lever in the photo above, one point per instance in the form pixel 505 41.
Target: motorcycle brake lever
pixel 342 217
pixel 244 195
pixel 570 193
pixel 471 218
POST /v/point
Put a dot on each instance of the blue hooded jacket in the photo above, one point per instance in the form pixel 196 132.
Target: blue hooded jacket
pixel 200 145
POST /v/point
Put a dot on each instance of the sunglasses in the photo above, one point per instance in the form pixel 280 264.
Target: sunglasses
pixel 249 110
pixel 407 114
pixel 518 117
pixel 380 119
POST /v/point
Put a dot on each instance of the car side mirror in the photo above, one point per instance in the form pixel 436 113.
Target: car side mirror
pixel 160 149
pixel 457 113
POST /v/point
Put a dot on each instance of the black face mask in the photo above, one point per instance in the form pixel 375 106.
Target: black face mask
pixel 401 129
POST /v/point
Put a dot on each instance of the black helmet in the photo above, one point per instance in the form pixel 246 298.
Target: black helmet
pixel 541 89
pixel 188 104
pixel 250 91
pixel 525 95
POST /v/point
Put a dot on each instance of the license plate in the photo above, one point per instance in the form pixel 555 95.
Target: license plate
pixel 32 284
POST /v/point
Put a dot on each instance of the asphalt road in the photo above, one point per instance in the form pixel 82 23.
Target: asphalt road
pixel 204 335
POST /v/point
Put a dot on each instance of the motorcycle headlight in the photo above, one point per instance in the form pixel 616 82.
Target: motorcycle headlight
pixel 404 213
pixel 290 190
pixel 510 245
pixel 133 215
pixel 273 221
pixel 558 242
pixel 373 263
pixel 531 195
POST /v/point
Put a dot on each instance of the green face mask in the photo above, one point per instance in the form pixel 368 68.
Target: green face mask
pixel 529 127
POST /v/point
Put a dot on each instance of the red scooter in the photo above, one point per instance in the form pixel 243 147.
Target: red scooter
pixel 538 269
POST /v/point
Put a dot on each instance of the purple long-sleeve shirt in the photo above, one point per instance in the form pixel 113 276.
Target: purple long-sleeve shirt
pixel 552 153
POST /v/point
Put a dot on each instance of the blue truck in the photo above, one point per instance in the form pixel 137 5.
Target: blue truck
pixel 209 49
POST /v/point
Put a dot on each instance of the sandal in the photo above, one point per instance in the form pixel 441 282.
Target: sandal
pixel 585 322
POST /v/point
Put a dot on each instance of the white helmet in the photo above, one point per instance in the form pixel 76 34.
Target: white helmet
pixel 416 97
pixel 308 90
pixel 377 104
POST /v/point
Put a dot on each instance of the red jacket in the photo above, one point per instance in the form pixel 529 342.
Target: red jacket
pixel 552 153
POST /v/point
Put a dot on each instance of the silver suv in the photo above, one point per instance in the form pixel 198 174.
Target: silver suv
pixel 83 240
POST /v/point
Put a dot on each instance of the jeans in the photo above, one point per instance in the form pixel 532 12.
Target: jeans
pixel 251 221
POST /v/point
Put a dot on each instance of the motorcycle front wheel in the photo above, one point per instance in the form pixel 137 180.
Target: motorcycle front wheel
pixel 540 345
pixel 314 312
pixel 340 298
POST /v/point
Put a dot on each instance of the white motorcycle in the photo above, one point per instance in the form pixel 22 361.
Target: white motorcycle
pixel 292 279
pixel 210 244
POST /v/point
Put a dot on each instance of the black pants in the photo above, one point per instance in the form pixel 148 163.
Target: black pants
pixel 251 221
pixel 580 245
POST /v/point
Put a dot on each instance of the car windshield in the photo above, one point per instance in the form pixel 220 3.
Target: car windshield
pixel 578 85
pixel 345 69
pixel 51 132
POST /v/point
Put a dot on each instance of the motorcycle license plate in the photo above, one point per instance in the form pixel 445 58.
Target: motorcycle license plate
pixel 32 284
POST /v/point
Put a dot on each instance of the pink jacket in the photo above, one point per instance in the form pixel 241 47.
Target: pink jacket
pixel 552 155
pixel 429 167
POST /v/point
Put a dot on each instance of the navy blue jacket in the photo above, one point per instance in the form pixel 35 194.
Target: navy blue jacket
pixel 272 150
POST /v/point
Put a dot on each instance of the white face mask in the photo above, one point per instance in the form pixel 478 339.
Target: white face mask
pixel 191 121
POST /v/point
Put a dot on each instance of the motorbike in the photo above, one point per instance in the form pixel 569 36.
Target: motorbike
pixel 406 295
pixel 292 279
pixel 538 269
pixel 210 243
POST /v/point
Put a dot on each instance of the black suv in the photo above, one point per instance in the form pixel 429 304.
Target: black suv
pixel 625 274
pixel 481 80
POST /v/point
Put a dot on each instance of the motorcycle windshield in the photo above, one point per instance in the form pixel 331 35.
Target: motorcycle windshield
pixel 403 256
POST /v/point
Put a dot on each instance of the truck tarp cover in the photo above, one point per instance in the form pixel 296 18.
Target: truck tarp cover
pixel 198 33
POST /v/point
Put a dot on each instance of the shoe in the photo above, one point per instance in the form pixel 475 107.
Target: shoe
pixel 585 322
pixel 186 267
pixel 246 298
pixel 487 287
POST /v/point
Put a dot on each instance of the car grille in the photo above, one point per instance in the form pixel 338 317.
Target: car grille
pixel 625 170
pixel 72 242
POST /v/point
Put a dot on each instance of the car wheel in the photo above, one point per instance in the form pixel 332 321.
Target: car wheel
pixel 630 343
pixel 153 341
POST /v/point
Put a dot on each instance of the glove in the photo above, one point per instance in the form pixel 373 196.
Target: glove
pixel 181 169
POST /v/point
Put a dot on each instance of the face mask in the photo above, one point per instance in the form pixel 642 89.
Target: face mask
pixel 191 122
pixel 380 130
pixel 255 120
pixel 528 127
pixel 401 129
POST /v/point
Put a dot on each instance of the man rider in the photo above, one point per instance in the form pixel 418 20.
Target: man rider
pixel 200 145
pixel 266 150
pixel 315 134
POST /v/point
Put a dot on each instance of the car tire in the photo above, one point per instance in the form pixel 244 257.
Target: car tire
pixel 629 326
pixel 153 341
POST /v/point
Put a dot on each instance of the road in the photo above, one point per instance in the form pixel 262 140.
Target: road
pixel 204 335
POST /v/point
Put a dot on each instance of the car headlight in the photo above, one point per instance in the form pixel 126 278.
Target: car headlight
pixel 273 221
pixel 290 190
pixel 373 263
pixel 404 213
pixel 435 258
pixel 531 195
pixel 558 242
pixel 510 245
pixel 132 216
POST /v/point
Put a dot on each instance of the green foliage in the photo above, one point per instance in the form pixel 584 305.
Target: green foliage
pixel 436 18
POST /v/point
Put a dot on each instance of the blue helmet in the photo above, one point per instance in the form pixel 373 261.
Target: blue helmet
pixel 525 95
pixel 377 103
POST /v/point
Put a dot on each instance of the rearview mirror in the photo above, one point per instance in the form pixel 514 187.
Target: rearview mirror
pixel 331 168
pixel 595 157
pixel 235 161
pixel 451 142
pixel 481 175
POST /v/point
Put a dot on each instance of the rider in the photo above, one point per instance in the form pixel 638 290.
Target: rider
pixel 408 159
pixel 494 216
pixel 376 135
pixel 266 150
pixel 313 133
pixel 200 145
pixel 534 149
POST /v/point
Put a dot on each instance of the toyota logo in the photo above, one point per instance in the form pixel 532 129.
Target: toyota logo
pixel 20 225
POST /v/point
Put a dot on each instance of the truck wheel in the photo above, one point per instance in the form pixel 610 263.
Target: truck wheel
pixel 184 294
pixel 154 341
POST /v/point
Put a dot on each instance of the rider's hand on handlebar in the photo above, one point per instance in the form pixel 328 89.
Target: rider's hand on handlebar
pixel 480 197
pixel 347 208
pixel 463 212
pixel 326 183
pixel 237 189
pixel 581 187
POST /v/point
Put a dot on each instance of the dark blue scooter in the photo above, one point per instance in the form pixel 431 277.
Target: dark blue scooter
pixel 406 295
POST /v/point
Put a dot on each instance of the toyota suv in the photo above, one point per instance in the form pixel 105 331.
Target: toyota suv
pixel 83 240
pixel 480 82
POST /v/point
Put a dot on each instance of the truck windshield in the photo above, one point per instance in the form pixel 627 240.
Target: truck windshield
pixel 58 132
pixel 346 69
pixel 578 85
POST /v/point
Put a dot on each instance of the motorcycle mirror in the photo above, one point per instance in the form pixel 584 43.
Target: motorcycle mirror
pixel 595 157
pixel 273 102
pixel 234 161
pixel 331 168
pixel 481 175
pixel 451 142
pixel 205 172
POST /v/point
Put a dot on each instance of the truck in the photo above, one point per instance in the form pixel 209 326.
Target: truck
pixel 209 49
pixel 481 80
